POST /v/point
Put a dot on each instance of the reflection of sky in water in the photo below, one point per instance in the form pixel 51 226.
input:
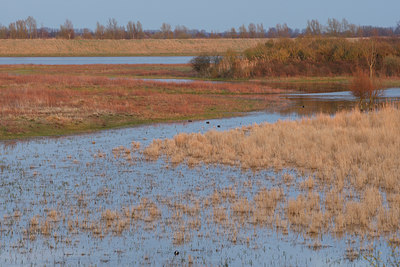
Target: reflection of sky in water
pixel 346 95
pixel 64 167
pixel 93 60
pixel 178 80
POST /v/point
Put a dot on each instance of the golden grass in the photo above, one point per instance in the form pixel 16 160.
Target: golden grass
pixel 350 161
pixel 148 47
pixel 355 148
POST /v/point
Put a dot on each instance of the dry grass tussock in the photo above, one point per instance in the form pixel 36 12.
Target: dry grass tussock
pixel 58 47
pixel 351 149
pixel 350 161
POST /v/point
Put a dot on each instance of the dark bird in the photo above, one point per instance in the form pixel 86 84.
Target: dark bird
pixel 176 253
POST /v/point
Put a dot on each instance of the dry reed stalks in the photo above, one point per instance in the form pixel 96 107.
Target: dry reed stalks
pixel 350 161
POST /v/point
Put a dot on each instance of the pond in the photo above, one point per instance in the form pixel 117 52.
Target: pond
pixel 93 60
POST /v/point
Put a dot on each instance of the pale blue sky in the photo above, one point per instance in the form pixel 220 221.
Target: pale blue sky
pixel 217 15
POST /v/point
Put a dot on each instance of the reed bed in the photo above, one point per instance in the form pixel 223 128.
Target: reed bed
pixel 347 166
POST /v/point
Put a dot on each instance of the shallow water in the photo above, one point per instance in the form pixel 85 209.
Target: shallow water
pixel 93 60
pixel 307 104
pixel 345 95
pixel 178 80
pixel 80 176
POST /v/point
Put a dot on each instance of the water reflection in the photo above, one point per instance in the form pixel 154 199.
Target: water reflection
pixel 310 87
pixel 93 60
pixel 331 102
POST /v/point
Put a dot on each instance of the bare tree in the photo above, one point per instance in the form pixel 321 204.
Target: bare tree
pixel 22 31
pixel 369 52
pixel 314 28
pixel 397 30
pixel 243 32
pixel 139 29
pixel 67 30
pixel 282 30
pixel 181 32
pixel 87 33
pixel 12 30
pixel 232 33
pixel 32 27
pixel 260 31
pixel 166 31
pixel 100 31
pixel 3 32
pixel 131 30
pixel 252 30
pixel 334 27
pixel 112 29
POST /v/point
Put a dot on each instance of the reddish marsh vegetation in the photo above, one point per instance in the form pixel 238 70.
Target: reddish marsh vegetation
pixel 40 104
pixel 366 88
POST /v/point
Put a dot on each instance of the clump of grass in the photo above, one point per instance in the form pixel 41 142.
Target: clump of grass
pixel 336 150
pixel 350 162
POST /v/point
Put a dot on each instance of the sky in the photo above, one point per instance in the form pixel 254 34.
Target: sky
pixel 210 15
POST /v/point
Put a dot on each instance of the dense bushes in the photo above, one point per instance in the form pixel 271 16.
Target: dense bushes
pixel 310 57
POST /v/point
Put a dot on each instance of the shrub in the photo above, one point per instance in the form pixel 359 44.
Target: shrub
pixel 391 65
pixel 366 89
pixel 201 64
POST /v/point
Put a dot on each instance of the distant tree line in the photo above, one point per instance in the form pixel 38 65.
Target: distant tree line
pixel 28 29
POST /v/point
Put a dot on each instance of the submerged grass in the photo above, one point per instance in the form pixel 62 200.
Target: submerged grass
pixel 349 161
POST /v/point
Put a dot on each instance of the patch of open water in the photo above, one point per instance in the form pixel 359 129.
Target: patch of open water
pixel 93 60
pixel 42 174
pixel 344 95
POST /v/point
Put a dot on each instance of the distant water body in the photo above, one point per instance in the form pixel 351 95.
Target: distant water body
pixel 92 60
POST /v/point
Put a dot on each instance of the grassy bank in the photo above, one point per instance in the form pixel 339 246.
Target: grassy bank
pixel 42 100
pixel 148 47
pixel 62 102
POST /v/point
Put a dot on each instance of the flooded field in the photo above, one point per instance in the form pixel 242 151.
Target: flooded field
pixel 96 199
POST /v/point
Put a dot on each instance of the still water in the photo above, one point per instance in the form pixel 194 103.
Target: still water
pixel 80 177
pixel 93 60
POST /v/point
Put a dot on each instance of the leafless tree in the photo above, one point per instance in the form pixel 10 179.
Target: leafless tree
pixel 166 30
pixel 32 27
pixel 100 31
pixel 131 30
pixel 314 28
pixel 260 31
pixel 139 29
pixel 67 30
pixel 252 30
pixel 243 32
pixel 334 27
